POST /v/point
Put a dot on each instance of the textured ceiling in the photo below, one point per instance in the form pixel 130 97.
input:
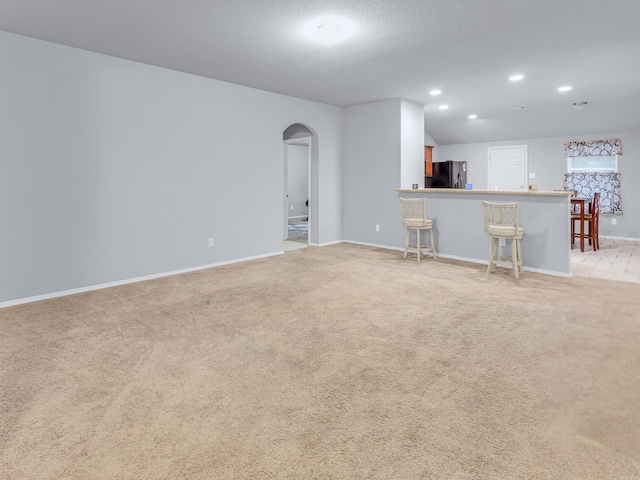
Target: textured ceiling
pixel 402 49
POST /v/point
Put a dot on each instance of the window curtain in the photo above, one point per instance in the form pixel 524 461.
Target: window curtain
pixel 593 149
pixel 586 184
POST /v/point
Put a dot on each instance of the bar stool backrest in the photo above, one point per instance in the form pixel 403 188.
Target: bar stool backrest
pixel 414 210
pixel 501 214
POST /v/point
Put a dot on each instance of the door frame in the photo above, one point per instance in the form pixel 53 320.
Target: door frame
pixel 525 180
pixel 299 141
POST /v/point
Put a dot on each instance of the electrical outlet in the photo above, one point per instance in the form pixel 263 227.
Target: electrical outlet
pixel 211 243
pixel 502 242
pixel 614 221
pixel 291 207
pixel 377 228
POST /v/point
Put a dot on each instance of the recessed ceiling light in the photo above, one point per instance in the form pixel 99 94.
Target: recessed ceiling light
pixel 435 92
pixel 443 107
pixel 329 33
pixel 580 105
pixel 517 108
pixel 473 116
pixel 566 88
pixel 329 29
pixel 516 78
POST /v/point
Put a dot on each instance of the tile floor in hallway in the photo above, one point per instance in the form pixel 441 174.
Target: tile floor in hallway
pixel 615 260
pixel 298 235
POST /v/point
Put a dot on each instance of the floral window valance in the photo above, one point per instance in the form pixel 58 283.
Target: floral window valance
pixel 593 149
pixel 586 184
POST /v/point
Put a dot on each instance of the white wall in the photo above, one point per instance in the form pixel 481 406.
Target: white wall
pixel 112 170
pixel 298 179
pixel 435 155
pixel 547 161
pixel 412 144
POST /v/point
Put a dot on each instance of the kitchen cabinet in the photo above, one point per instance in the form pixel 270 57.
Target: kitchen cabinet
pixel 428 161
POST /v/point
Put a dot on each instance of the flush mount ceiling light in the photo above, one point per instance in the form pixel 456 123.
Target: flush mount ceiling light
pixel 435 92
pixel 329 29
pixel 473 116
pixel 443 107
pixel 580 105
pixel 516 78
pixel 566 88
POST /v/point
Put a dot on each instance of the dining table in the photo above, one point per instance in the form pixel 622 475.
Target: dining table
pixel 579 205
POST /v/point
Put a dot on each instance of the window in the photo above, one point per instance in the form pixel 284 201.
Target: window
pixel 593 167
pixel 598 164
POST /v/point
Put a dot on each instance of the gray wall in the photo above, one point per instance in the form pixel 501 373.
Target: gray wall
pixel 459 227
pixel 383 143
pixel 112 170
pixel 371 162
pixel 547 161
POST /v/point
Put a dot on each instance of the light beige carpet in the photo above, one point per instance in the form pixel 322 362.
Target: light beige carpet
pixel 341 362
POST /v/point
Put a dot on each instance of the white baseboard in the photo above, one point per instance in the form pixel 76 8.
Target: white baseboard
pixel 526 269
pixel 375 245
pixel 325 244
pixel 629 239
pixel 467 259
pixel 90 288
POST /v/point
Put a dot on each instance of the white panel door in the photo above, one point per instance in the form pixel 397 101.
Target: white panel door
pixel 508 168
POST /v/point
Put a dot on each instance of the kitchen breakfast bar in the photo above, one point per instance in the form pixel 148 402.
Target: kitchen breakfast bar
pixel 459 225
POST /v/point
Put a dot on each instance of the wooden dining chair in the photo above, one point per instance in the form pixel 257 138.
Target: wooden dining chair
pixel 574 193
pixel 574 208
pixel 595 215
pixel 593 219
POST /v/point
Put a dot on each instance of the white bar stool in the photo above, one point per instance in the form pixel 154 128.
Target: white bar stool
pixel 414 217
pixel 502 221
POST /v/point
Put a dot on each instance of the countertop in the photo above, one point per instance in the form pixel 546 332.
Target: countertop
pixel 458 224
pixel 562 193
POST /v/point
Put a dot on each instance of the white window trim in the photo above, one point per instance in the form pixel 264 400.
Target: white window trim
pixel 593 170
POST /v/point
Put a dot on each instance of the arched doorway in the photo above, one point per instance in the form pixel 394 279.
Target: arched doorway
pixel 300 148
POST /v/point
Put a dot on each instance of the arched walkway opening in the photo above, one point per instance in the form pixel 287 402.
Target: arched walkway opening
pixel 300 212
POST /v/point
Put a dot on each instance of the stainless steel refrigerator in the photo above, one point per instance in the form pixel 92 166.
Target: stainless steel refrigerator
pixel 449 174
